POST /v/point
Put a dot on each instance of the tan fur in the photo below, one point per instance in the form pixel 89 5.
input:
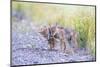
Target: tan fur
pixel 62 36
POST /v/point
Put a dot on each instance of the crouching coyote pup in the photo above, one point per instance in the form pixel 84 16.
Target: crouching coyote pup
pixel 66 37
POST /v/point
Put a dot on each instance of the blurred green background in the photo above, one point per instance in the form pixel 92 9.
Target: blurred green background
pixel 81 18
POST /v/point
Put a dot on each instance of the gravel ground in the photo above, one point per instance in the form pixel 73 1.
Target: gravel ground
pixel 32 48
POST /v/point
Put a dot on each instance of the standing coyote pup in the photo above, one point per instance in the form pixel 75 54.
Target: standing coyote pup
pixel 66 37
